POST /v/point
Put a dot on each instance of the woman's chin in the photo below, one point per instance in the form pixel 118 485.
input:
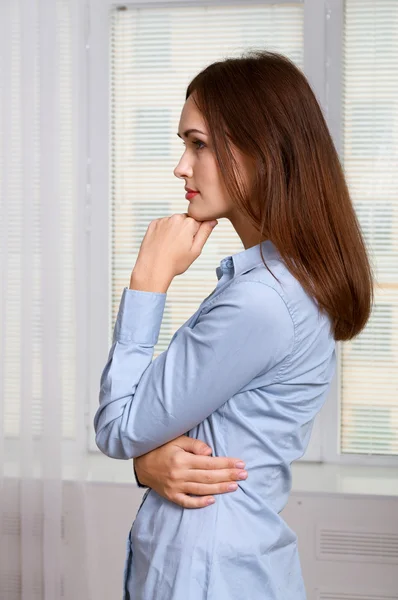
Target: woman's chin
pixel 197 214
pixel 193 212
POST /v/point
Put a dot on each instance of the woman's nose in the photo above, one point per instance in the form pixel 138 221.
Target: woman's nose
pixel 183 169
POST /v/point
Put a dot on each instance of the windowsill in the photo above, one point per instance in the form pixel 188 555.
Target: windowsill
pixel 308 477
pixel 322 478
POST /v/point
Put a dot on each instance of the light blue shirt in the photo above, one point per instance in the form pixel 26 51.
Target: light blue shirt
pixel 247 374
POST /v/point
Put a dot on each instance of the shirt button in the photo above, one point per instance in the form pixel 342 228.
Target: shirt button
pixel 227 262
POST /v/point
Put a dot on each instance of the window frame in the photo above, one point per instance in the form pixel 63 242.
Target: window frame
pixel 323 37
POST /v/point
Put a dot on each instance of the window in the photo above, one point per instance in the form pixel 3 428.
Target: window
pixel 145 112
pixel 135 90
pixel 369 364
pixel 348 51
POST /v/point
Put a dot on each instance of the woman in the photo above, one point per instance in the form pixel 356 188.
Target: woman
pixel 249 371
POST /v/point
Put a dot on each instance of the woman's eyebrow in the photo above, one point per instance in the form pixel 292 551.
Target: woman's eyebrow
pixel 188 131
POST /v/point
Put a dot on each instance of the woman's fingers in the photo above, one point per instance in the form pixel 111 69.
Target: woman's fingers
pixel 215 476
pixel 193 478
pixel 207 489
pixel 216 482
pixel 192 502
pixel 211 462
pixel 204 491
pixel 208 463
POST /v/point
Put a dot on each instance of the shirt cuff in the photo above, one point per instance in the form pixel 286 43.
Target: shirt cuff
pixel 141 485
pixel 139 317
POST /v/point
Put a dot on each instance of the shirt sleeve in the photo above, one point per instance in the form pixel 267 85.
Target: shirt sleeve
pixel 144 403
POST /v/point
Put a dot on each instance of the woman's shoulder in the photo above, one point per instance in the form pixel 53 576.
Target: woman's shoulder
pixel 251 291
pixel 302 308
pixel 276 277
pixel 250 303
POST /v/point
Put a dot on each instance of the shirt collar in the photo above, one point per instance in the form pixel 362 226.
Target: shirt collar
pixel 248 259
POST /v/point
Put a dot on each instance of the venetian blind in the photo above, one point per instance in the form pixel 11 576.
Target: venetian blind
pixel 369 384
pixel 155 52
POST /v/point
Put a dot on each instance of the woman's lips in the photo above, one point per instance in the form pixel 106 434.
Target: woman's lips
pixel 190 195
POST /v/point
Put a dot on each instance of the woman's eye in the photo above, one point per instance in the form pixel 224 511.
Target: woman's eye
pixel 199 147
pixel 199 142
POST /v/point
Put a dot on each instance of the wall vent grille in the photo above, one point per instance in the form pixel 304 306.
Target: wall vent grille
pixel 358 546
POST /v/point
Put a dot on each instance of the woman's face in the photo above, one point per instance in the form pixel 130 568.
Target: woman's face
pixel 199 169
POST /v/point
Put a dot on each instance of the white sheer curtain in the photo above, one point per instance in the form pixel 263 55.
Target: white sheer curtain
pixel 43 301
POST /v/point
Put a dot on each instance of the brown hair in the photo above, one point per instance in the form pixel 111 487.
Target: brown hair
pixel 263 104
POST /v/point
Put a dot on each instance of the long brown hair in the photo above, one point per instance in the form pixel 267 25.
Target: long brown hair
pixel 262 103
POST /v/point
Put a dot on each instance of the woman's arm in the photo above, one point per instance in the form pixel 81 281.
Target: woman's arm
pixel 183 466
pixel 244 331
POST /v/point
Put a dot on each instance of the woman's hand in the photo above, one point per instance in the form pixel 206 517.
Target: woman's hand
pixel 183 467
pixel 170 246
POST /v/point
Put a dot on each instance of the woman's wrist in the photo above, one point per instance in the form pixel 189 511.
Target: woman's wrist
pixel 149 283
